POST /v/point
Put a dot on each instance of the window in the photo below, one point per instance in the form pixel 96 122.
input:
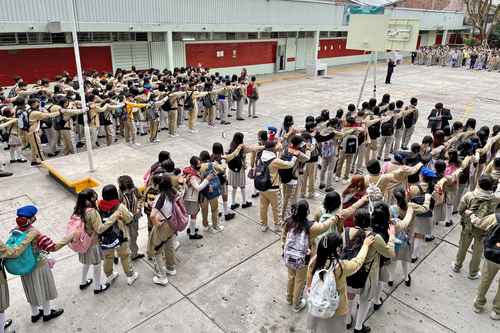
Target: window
pixel 343 34
pixel 282 34
pixel 101 37
pixel 292 34
pixel 157 37
pixel 140 36
pixel 219 36
pixel 323 34
pixel 22 38
pixel 8 38
pixel 265 35
pixel 58 38
pixel 202 36
pixel 38 38
pixel 253 35
pixel 230 36
pixel 84 36
pixel 274 34
pixel 220 54
pixel 177 36
pixel 241 35
pixel 306 34
pixel 234 53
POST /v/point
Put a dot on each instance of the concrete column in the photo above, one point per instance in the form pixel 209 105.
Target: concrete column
pixel 445 38
pixel 316 48
pixel 170 51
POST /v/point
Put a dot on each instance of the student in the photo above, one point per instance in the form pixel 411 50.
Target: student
pixel 328 257
pixel 409 121
pixel 387 132
pixel 210 196
pixel 109 204
pixel 194 184
pixel 349 148
pixel 219 164
pixel 308 178
pixel 162 240
pixel 253 96
pixel 398 126
pixel 328 161
pixel 131 198
pixel 39 285
pixel 86 210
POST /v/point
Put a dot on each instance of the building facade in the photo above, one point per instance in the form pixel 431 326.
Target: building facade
pixel 265 36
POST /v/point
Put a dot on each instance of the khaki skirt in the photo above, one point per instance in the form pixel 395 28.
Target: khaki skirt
pixel 93 256
pixel 4 297
pixel 236 179
pixel 39 286
pixel 318 325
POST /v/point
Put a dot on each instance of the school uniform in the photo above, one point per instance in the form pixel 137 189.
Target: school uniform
pixel 409 121
pixel 162 238
pixel 213 203
pixel 32 134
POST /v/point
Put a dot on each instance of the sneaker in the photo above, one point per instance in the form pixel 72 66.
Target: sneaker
pixel 264 228
pixel 160 281
pixel 299 307
pixel 131 279
pixel 53 314
pixel 475 276
pixel 112 277
pixel 477 309
pixel 455 268
pixel 345 181
pixel 7 324
pixel 246 204
pixel 217 229
pixel 337 178
pixel 171 271
pixel 494 315
pixel 176 245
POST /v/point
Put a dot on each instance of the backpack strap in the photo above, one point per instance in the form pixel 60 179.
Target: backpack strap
pixel 497 216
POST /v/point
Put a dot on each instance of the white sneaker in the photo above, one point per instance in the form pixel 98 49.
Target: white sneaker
pixel 264 228
pixel 137 144
pixel 156 141
pixel 474 277
pixel 193 131
pixel 345 181
pixel 299 307
pixel 160 281
pixel 476 308
pixel 337 178
pixel 176 245
pixel 494 315
pixel 131 279
pixel 217 229
pixel 454 267
pixel 171 272
pixel 112 277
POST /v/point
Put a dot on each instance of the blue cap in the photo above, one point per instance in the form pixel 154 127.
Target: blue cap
pixel 426 172
pixel 272 129
pixel 27 211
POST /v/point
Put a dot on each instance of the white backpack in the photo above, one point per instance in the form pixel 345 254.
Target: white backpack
pixel 374 193
pixel 324 299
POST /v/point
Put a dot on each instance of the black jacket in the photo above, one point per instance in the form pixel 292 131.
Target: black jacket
pixel 438 119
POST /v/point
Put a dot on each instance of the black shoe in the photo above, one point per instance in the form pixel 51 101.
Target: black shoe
pixel 7 148
pixel 101 136
pixel 414 260
pixel 255 195
pixel 79 145
pixel 255 117
pixel 246 204
pixel 7 324
pixel 240 118
pixel 376 307
pixel 365 329
pixel 387 159
pixel 390 283
pixel 53 154
pixel 229 216
pixel 195 236
pixel 115 260
pixel 103 288
pixel 36 318
pixel 188 231
pixel 86 284
pixel 53 314
pixel 97 144
pixel 217 118
pixel 36 163
pixel 322 186
pixel 408 283
pixel 429 238
pixel 138 256
pixel 5 174
pixel 329 189
pixel 229 115
pixel 234 206
pixel 21 160
pixel 349 326
pixel 448 224
pixel 13 161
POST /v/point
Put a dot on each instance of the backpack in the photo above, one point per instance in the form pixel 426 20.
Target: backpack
pixel 25 263
pixel 399 123
pixel 189 102
pixel 81 240
pixel 113 236
pixel 387 128
pixel 374 192
pixel 420 199
pixel 315 153
pixel 262 179
pixel 492 243
pixel 324 299
pixel 409 119
pixel 167 106
pixel 374 131
pixel 131 201
pixel 179 219
pixel 213 189
pixel 327 149
pixel 207 101
pixel 351 250
pixel 236 163
pixel 286 175
pixel 296 248
pixel 402 239
pixel 149 199
pixel 23 120
pixel 350 144
pixel 237 94
pixel 59 123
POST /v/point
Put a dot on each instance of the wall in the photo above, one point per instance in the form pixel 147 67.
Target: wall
pixel 433 4
pixel 432 20
pixel 233 54
pixel 330 48
pixel 28 62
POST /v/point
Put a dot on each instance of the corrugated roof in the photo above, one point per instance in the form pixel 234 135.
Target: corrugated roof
pixel 377 3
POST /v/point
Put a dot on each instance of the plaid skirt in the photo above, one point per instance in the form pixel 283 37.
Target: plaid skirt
pixel 236 179
pixel 93 256
pixel 39 286
pixel 4 297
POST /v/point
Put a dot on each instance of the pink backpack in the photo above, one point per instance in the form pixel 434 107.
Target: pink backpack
pixel 81 240
pixel 179 218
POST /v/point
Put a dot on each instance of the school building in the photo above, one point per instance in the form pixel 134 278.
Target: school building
pixel 265 36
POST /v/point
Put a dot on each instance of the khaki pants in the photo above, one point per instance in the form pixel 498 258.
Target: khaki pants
pixel 180 115
pixel 308 178
pixel 164 258
pixel 361 158
pixel 289 198
pixel 239 109
pixel 172 122
pixel 133 231
pixel 398 136
pixel 251 107
pixel 488 273
pixel 153 130
pixel 52 138
pixel 67 139
pixel 385 147
pixel 372 149
pixel 267 198
pixel 210 115
pixel 296 283
pixel 223 109
pixel 214 207
pixel 129 128
pixel 327 168
pixel 108 130
pixel 192 115
pixel 123 253
pixel 466 237
pixel 407 133
pixel 36 147
pixel 347 158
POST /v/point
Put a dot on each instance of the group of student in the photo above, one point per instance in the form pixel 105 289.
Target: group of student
pixel 479 58
pixel 127 103
pixel 339 258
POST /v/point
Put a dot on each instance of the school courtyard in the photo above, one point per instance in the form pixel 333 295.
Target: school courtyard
pixel 235 281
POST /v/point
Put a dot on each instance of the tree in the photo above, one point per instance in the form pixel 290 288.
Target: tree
pixel 479 13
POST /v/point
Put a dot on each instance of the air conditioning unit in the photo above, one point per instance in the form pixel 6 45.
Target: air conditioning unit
pixel 54 27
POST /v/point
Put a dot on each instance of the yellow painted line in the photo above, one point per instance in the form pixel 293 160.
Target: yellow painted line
pixel 77 185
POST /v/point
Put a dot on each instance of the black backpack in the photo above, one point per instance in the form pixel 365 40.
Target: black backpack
pixel 409 119
pixel 387 128
pixel 399 123
pixel 167 106
pixel 59 123
pixel 492 243
pixel 314 157
pixel 189 102
pixel 374 131
pixel 236 163
pixel 286 175
pixel 113 236
pixel 207 101
pixel 237 94
pixel 262 179
pixel 351 250
pixel 350 145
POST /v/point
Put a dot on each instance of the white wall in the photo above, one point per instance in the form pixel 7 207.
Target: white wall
pixel 252 70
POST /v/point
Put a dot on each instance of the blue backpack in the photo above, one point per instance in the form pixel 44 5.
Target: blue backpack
pixel 26 262
pixel 213 189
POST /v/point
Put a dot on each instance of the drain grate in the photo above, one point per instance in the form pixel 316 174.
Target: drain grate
pixel 12 204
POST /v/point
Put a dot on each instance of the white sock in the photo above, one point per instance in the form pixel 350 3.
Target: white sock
pixel 378 292
pixel 404 265
pixel 46 308
pixel 416 249
pixel 97 276
pixel 364 307
pixel 449 212
pixel 225 207
pixel 2 321
pixel 192 224
pixel 12 152
pixel 233 195
pixel 243 195
pixel 85 271
pixel 35 310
